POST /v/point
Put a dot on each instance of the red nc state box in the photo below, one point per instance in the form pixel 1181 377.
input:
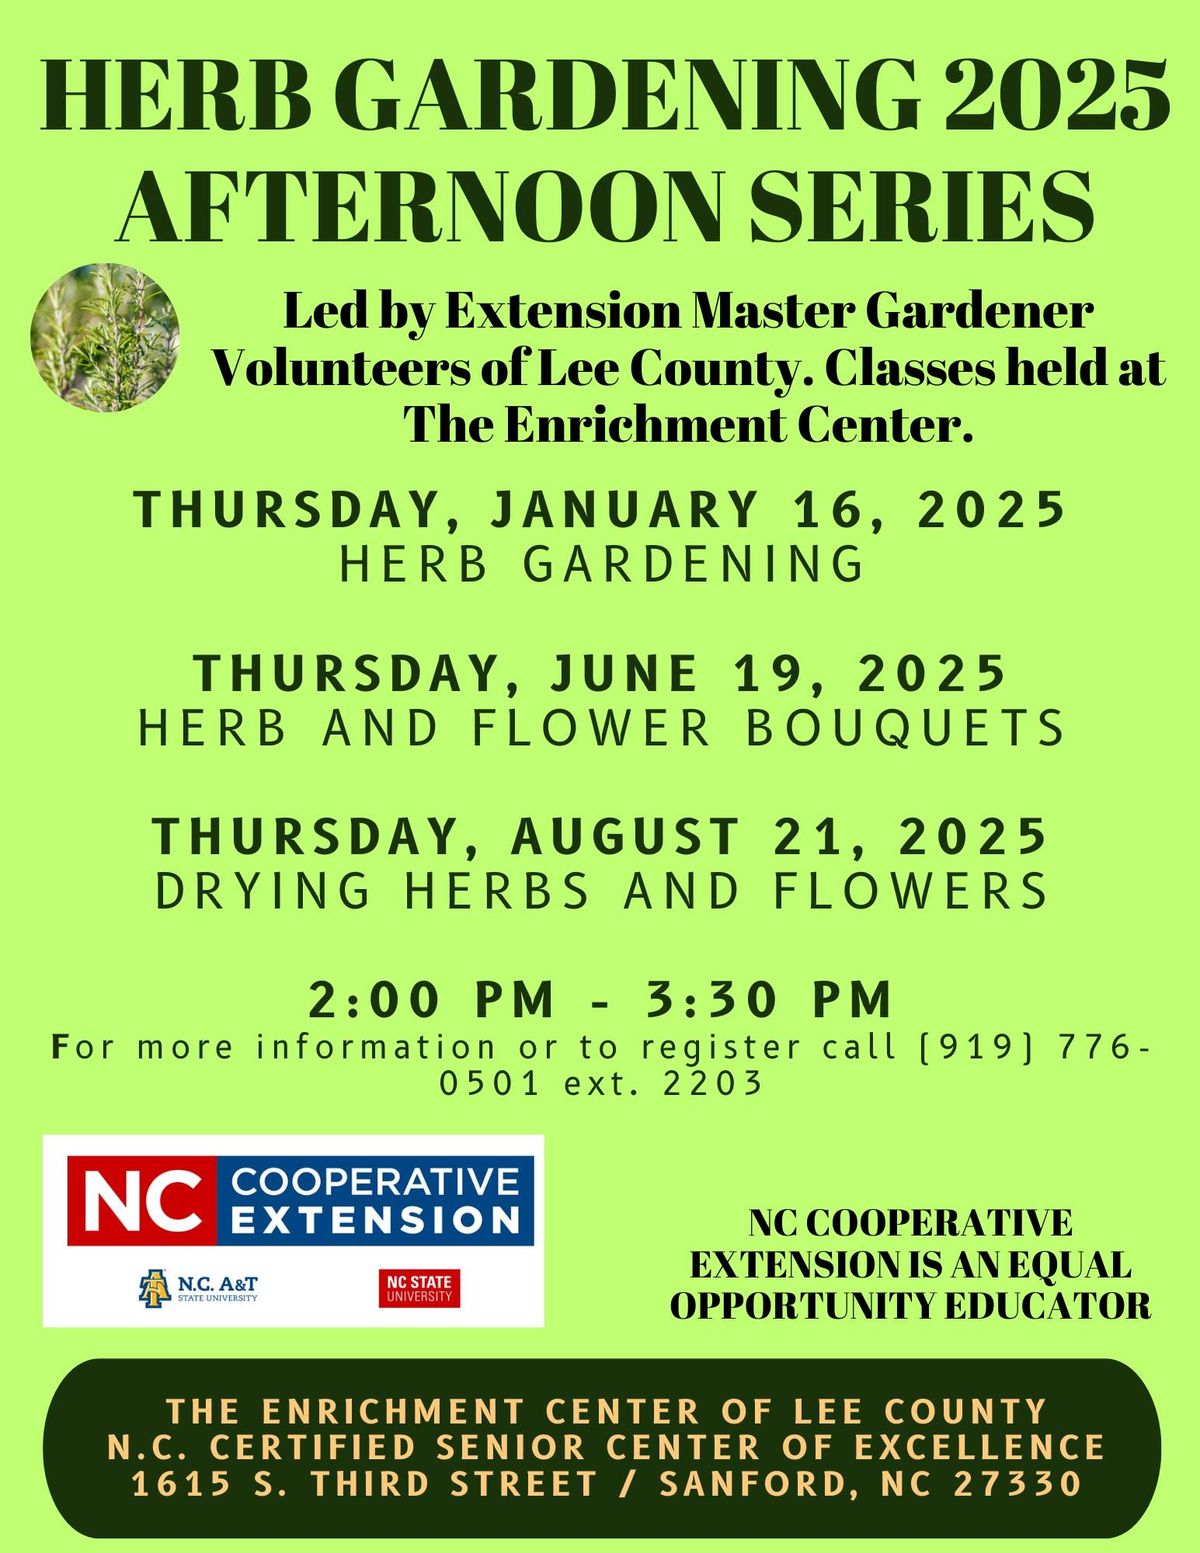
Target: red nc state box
pixel 401 1287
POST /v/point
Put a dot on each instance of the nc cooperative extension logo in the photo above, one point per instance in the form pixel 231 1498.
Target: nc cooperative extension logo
pixel 280 1200
pixel 275 1231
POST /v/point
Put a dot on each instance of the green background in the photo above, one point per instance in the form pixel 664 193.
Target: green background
pixel 1092 617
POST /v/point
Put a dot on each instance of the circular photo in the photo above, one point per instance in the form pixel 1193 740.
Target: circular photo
pixel 104 337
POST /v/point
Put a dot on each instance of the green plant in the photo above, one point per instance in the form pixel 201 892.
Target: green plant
pixel 105 337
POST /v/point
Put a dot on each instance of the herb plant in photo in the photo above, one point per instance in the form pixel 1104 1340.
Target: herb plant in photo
pixel 104 337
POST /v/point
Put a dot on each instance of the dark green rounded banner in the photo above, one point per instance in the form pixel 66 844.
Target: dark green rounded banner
pixel 572 1448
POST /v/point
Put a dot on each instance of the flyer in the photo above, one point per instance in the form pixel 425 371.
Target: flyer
pixel 602 778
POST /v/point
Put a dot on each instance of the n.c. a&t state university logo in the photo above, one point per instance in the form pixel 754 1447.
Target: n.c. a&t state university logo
pixel 154 1289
